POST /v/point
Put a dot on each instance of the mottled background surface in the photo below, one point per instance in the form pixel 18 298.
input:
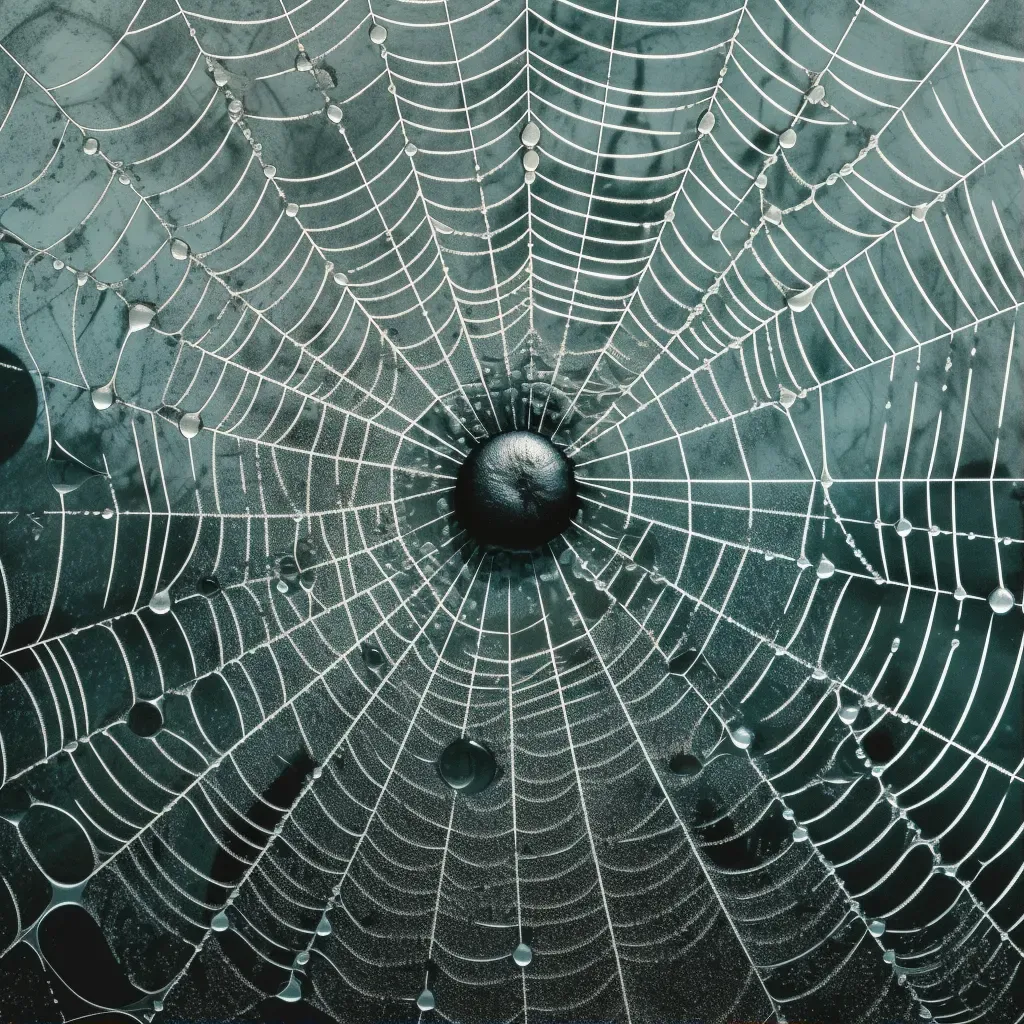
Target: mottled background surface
pixel 270 269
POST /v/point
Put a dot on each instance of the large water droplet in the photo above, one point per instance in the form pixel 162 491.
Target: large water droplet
pixel 787 140
pixel 466 766
pixel 684 764
pixel 522 955
pixel 373 658
pixel 66 473
pixel 707 123
pixel 160 602
pixel 270 171
pixel 209 586
pixel 303 63
pixel 220 922
pixel 324 928
pixel 145 719
pixel 292 992
pixel 103 397
pixel 786 398
pixel 179 249
pixel 1000 600
pixel 816 94
pixel 679 664
pixel 799 834
pixel 877 928
pixel 378 34
pixel 140 316
pixel 531 160
pixel 741 737
pixel 848 714
pixel 190 424
pixel 799 301
pixel 904 527
pixel 90 147
pixel 919 212
pixel 773 215
pixel 825 569
pixel 334 113
pixel 530 135
pixel 220 77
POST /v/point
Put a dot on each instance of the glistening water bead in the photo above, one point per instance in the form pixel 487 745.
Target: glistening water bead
pixel 515 491
pixel 466 766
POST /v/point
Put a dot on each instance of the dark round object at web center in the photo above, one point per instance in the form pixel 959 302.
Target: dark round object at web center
pixel 516 491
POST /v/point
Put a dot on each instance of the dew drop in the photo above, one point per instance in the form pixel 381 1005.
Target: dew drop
pixel 787 140
pixel 90 147
pixel 209 586
pixel 848 714
pixel 425 1001
pixel 334 113
pixel 160 602
pixel 960 594
pixel 877 929
pixel 303 63
pixel 904 528
pixel 819 673
pixel 919 212
pixel 140 316
pixel 302 957
pixel 179 249
pixel 68 474
pixel 670 215
pixel 373 658
pixel 831 179
pixel 1000 600
pixel 103 397
pixel 803 562
pixel 107 513
pixel 531 160
pixel 323 929
pixel 530 135
pixel 190 424
pixel 340 277
pixel 522 955
pixel 378 34
pixel 825 568
pixel 741 737
pixel 773 215
pixel 220 922
pixel 800 300
pixel 270 170
pixel 799 834
pixel 889 956
pixel 816 94
pixel 291 210
pixel 707 123
pixel 292 992
pixel 235 107
pixel 145 719
pixel 761 181
pixel 220 77
pixel 466 766
pixel 82 278
pixel 410 149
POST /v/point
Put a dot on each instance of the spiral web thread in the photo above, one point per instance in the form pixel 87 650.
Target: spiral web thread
pixel 272 269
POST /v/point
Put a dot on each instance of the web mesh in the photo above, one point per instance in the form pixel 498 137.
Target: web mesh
pixel 270 271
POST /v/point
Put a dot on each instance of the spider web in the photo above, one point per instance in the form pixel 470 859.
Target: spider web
pixel 269 271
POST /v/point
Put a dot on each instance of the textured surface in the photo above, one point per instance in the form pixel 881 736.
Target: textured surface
pixel 269 269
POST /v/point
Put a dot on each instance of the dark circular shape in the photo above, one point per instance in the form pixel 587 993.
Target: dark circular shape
pixel 145 719
pixel 466 766
pixel 684 764
pixel 682 662
pixel 19 402
pixel 515 492
pixel 879 745
pixel 209 586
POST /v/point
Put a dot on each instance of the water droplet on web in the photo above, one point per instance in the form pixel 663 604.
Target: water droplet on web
pixel 145 718
pixel 788 813
pixel 292 992
pixel 684 764
pixel 179 249
pixel 107 513
pixel 803 562
pixel 410 149
pixel 270 171
pixel 848 714
pixel 707 123
pixel 904 528
pixel 302 957
pixel 103 397
pixel 235 107
pixel 741 737
pixel 341 278
pixel 818 673
pixel 773 215
pixel 816 94
pixel 425 1001
pixel 960 594
pixel 90 147
pixel 530 135
pixel 831 179
pixel 877 929
pixel 522 955
pixel 220 77
pixel 761 181
pixel 303 63
pixel 334 113
pixel 889 956
pixel 531 160
pixel 1000 600
pixel 220 922
pixel 324 928
pixel 825 569
pixel 67 474
pixel 209 586
pixel 291 210
pixel 466 766
pixel 799 834
pixel 140 316
pixel 160 602
pixel 786 398
pixel 378 34
pixel 799 301
pixel 373 658
pixel 190 424
pixel 787 140
pixel 895 645
pixel 919 212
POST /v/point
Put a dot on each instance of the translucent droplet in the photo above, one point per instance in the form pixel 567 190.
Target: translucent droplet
pixel 819 673
pixel 292 992
pixel 530 135
pixel 67 474
pixel 800 300
pixel 741 737
pixel 799 834
pixel 825 568
pixel 919 212
pixel 235 107
pixel 876 928
pixel 707 123
pixel 340 278
pixel 303 63
pixel 103 397
pixel 410 149
pixel 530 177
pixel 324 928
pixel 270 170
pixel 145 718
pixel 425 1001
pixel 209 586
pixel 160 602
pixel 904 528
pixel 140 316
pixel 803 562
pixel 302 957
pixel 334 113
pixel 960 594
pixel 522 955
pixel 531 160
pixel 220 922
pixel 373 658
pixel 761 181
pixel 466 766
pixel 787 140
pixel 848 714
pixel 1000 600
pixel 107 513
pixel 292 210
pixel 889 956
pixel 378 33
pixel 179 249
pixel 190 424
pixel 90 147
pixel 220 77
pixel 816 94
pixel 786 398
pixel 82 279
pixel 846 170
pixel 773 215
pixel 684 764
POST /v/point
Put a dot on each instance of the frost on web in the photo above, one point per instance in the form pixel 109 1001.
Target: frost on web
pixel 270 269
